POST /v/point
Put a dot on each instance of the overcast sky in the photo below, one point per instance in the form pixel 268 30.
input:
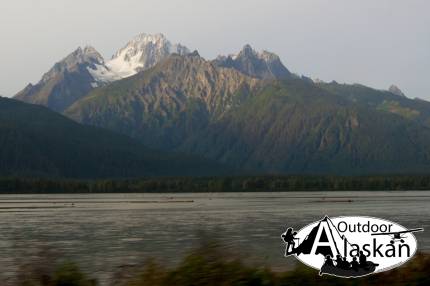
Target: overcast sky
pixel 374 42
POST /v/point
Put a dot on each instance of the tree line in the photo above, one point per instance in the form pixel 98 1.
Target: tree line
pixel 215 184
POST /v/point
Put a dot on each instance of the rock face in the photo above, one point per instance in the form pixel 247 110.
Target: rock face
pixel 67 81
pixel 246 110
pixel 264 65
pixel 143 52
pixel 163 104
pixel 395 90
pixel 86 56
pixel 191 105
pixel 85 69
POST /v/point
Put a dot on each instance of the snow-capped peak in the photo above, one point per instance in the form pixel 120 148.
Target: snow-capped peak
pixel 81 56
pixel 143 52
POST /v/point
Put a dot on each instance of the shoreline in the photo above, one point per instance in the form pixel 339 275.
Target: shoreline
pixel 232 184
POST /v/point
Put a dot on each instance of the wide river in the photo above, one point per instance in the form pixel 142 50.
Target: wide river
pixel 106 232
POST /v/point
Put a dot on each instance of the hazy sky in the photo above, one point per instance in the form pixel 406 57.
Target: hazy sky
pixel 374 42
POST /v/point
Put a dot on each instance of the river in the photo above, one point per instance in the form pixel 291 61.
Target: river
pixel 104 232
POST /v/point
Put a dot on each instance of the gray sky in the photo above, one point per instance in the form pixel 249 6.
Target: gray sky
pixel 374 42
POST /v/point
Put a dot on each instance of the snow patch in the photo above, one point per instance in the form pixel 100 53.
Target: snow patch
pixel 141 53
pixel 103 74
pixel 125 66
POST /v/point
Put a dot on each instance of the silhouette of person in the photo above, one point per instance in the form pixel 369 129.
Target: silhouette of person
pixel 354 263
pixel 338 260
pixel 345 263
pixel 288 238
pixel 363 260
pixel 329 261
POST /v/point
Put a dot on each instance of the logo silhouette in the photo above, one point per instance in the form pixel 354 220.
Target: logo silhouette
pixel 327 244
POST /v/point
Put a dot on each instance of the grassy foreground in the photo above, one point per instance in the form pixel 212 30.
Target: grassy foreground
pixel 210 265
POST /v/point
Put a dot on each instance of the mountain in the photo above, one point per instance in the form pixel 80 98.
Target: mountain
pixel 35 141
pixel 163 105
pixel 396 90
pixel 66 82
pixel 390 101
pixel 142 53
pixel 289 126
pixel 264 65
pixel 294 127
pixel 85 69
pixel 247 111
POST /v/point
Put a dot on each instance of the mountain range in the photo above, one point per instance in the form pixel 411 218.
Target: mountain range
pixel 246 111
pixel 85 69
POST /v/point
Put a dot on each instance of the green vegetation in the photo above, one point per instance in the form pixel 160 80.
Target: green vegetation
pixel 413 109
pixel 295 127
pixel 65 274
pixel 37 142
pixel 210 265
pixel 217 184
pixel 395 107
pixel 247 113
pixel 188 105
pixel 290 126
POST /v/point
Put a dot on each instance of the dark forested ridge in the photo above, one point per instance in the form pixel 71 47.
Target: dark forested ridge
pixel 216 184
pixel 37 142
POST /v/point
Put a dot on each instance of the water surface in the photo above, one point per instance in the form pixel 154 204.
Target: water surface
pixel 104 232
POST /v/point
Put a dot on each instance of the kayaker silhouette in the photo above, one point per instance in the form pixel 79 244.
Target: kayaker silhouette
pixel 329 261
pixel 362 260
pixel 344 268
pixel 354 263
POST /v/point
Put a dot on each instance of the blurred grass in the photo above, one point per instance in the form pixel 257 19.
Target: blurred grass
pixel 65 274
pixel 210 265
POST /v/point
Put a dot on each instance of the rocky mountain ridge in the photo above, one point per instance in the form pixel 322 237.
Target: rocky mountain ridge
pixel 85 69
pixel 247 111
pixel 263 65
